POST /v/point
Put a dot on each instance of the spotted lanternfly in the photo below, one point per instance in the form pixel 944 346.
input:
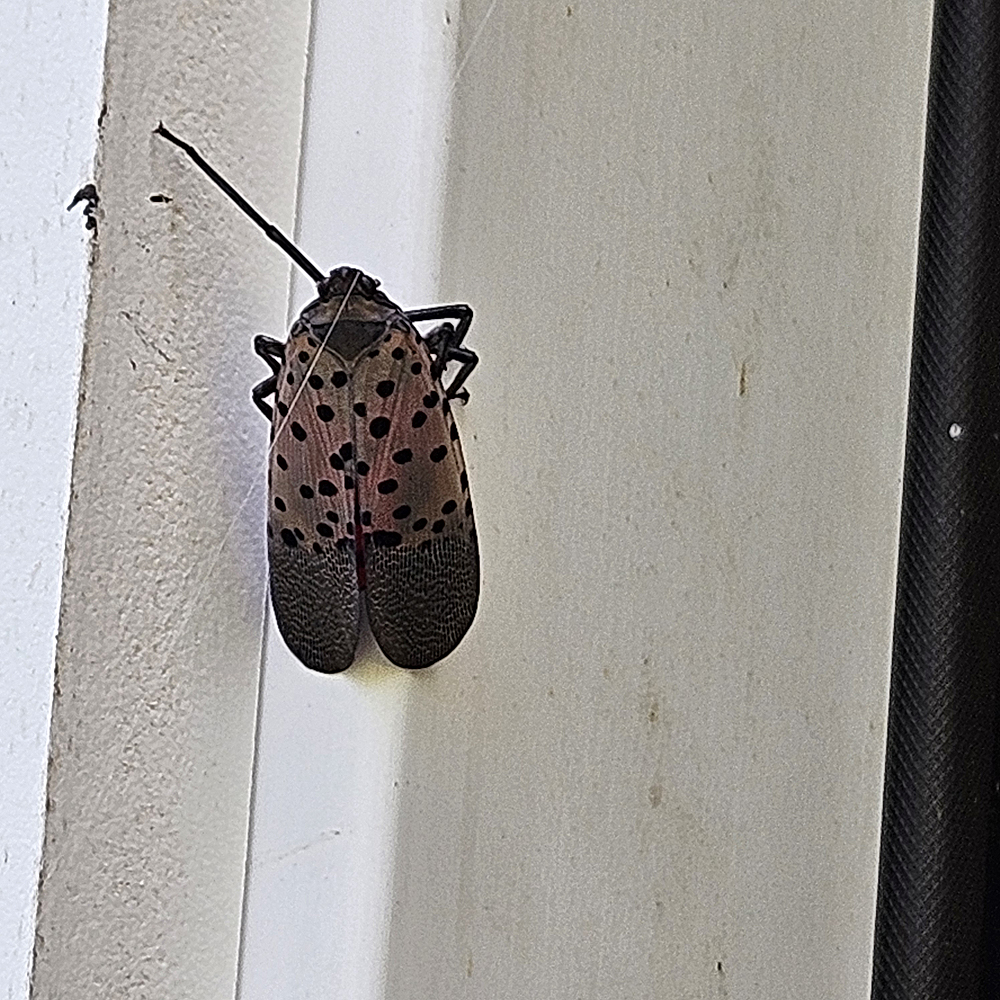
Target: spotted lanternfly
pixel 368 489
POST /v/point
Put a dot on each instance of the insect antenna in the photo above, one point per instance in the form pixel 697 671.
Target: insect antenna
pixel 270 230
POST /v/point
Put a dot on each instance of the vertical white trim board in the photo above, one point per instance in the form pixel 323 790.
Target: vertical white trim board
pixel 161 614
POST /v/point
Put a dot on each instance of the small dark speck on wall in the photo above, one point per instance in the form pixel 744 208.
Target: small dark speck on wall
pixel 88 195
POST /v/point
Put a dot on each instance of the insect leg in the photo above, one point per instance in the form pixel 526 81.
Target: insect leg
pixel 258 392
pixel 460 312
pixel 469 360
pixel 443 342
pixel 271 350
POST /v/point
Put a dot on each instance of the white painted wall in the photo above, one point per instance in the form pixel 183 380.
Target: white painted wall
pixel 51 60
pixel 653 767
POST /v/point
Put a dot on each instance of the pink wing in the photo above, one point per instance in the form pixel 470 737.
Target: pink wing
pixel 311 529
pixel 421 555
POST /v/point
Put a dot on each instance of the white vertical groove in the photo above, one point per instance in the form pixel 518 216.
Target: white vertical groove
pixel 372 172
pixel 50 74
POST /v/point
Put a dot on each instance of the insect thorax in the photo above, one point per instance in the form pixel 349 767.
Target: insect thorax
pixel 360 326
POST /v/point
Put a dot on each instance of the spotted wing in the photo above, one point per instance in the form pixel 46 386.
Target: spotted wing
pixel 311 544
pixel 421 556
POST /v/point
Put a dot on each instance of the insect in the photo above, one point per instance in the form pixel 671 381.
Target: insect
pixel 88 195
pixel 368 490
